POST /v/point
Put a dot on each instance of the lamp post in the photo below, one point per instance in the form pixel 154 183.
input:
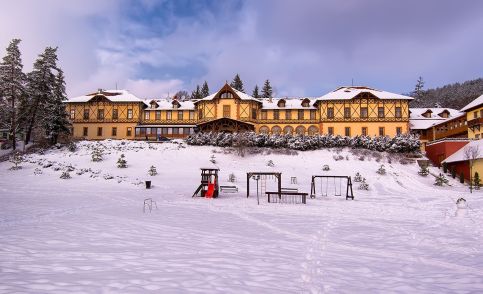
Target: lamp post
pixel 257 178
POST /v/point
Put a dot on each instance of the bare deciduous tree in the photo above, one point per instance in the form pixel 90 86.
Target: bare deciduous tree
pixel 472 153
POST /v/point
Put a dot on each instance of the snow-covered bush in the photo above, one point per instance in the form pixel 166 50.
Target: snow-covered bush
pixel 338 157
pixel 476 181
pixel 152 171
pixel 65 175
pixel 381 170
pixel 108 177
pixel 122 162
pixel 213 159
pixel 270 163
pixel 326 167
pixel 398 144
pixel 231 178
pixel 37 171
pixel 72 147
pixel 70 168
pixel 461 203
pixel 440 180
pixel 16 159
pixel 363 185
pixel 358 178
pixel 424 171
pixel 97 154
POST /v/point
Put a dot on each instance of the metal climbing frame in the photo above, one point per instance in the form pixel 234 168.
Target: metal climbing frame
pixel 264 175
pixel 348 195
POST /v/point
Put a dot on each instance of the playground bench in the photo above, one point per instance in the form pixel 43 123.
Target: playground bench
pixel 289 190
pixel 287 197
pixel 229 189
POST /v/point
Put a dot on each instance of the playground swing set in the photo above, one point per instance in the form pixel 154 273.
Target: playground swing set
pixel 210 188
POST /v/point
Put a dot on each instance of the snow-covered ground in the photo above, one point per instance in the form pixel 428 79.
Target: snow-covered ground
pixel 89 234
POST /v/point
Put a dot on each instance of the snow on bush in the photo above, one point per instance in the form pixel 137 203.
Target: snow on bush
pixel 381 170
pixel 440 180
pixel 358 178
pixel 65 175
pixel 122 162
pixel 270 163
pixel 363 185
pixel 152 171
pixel 424 171
pixel 97 154
pixel 399 144
pixel 326 167
pixel 16 159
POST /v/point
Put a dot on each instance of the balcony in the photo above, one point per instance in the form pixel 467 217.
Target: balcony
pixel 461 131
pixel 475 122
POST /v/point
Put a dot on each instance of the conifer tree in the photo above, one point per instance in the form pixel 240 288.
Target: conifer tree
pixel 267 91
pixel 12 90
pixel 237 84
pixel 196 94
pixel 55 120
pixel 418 90
pixel 205 91
pixel 255 93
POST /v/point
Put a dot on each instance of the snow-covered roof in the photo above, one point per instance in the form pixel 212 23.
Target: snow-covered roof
pixel 347 93
pixel 111 95
pixel 419 122
pixel 243 96
pixel 460 154
pixel 290 103
pixel 168 104
pixel 475 103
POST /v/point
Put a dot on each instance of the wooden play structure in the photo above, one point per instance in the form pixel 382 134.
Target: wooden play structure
pixel 263 176
pixel 337 184
pixel 209 187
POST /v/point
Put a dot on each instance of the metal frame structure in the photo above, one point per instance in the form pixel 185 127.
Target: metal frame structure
pixel 349 186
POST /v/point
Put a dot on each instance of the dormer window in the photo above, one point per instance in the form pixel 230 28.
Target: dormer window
pixel 176 104
pixel 427 114
pixel 306 103
pixel 281 103
pixel 226 95
pixel 444 114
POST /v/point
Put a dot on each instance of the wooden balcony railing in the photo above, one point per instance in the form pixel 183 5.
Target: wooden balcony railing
pixel 475 122
pixel 461 131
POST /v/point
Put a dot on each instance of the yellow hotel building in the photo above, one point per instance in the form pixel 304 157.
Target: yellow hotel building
pixel 346 111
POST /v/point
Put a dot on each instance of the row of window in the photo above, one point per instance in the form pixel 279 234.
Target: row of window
pixel 363 112
pixel 288 114
pixel 347 131
pixel 169 115
pixel 475 114
pixel 100 114
pixel 100 130
pixel 163 131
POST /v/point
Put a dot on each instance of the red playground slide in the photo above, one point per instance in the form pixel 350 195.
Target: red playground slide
pixel 210 191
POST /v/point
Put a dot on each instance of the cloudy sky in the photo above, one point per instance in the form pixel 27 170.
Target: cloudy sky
pixel 305 47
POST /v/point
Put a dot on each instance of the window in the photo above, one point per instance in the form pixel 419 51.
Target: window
pixel 115 114
pixel 180 115
pixel 129 114
pixel 347 131
pixel 381 131
pixel 99 131
pixel 146 115
pixel 186 131
pixel 85 131
pixel 192 115
pixel 300 114
pixel 364 112
pixel 305 103
pixel 276 114
pixel 330 112
pixel 129 132
pixel 481 113
pixel 200 114
pixel 86 113
pixel 114 131
pixel 364 131
pixel 288 114
pixel 330 130
pixel 398 112
pixel 175 131
pixel 226 95
pixel 264 114
pixel 100 114
pixel 254 113
pixel 475 114
pixel 226 110
pixel 398 130
pixel 281 103
pixel 169 115
pixel 157 115
pixel 313 114
pixel 380 112
pixel 477 136
pixel 347 112
pixel 154 131
pixel 72 114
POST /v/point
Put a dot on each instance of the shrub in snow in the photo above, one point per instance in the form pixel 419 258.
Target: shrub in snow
pixel 48 164
pixel 362 158
pixel 358 178
pixel 461 203
pixel 107 177
pixel 445 167
pixel 326 167
pixel 453 172
pixel 476 181
pixel 231 178
pixel 72 147
pixel 424 171
pixel 213 159
pixel 381 170
pixel 405 161
pixel 363 185
pixel 97 154
pixel 16 159
pixel 347 157
pixel 441 180
pixel 70 168
pixel 152 171
pixel 122 162
pixel 65 175
pixel 338 157
pixel 462 178
pixel 37 171
pixel 270 163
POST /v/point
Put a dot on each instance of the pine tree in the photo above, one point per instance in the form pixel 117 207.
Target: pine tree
pixel 476 181
pixel 205 91
pixel 41 84
pixel 418 90
pixel 152 171
pixel 255 93
pixel 12 90
pixel 122 162
pixel 267 91
pixel 237 84
pixel 462 178
pixel 56 122
pixel 16 159
pixel 196 94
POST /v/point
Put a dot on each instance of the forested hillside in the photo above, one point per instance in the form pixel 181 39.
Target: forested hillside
pixel 455 95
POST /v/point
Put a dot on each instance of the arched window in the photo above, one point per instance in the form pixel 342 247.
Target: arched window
pixel 300 130
pixel 313 130
pixel 226 95
pixel 288 130
pixel 264 130
pixel 276 130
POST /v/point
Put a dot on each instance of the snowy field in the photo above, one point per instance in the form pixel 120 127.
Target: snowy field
pixel 89 234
